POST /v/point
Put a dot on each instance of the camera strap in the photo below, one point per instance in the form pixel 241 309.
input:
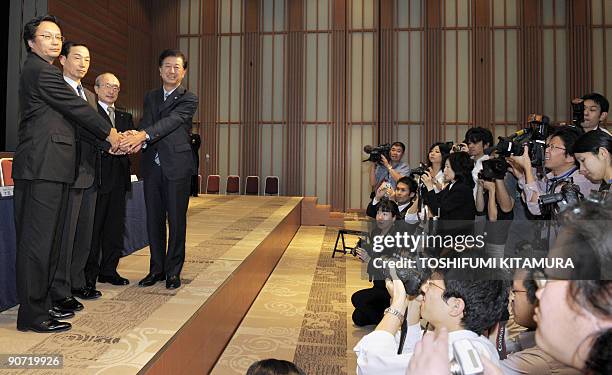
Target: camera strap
pixel 500 342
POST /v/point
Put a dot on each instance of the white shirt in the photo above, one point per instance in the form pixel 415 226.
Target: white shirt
pixel 377 351
pixel 74 85
pixel 105 107
pixel 476 170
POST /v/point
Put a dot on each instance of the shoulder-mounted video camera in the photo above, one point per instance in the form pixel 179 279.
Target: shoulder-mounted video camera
pixel 534 137
pixel 377 152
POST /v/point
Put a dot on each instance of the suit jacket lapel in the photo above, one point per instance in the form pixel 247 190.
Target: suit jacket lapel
pixel 178 92
pixel 103 113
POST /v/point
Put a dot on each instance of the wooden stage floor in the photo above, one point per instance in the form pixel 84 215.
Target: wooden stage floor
pixel 233 243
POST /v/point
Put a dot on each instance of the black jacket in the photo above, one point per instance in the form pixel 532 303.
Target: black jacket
pixel 115 169
pixel 456 206
pixel 50 111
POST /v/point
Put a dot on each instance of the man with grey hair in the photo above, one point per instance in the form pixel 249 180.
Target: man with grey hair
pixel 109 219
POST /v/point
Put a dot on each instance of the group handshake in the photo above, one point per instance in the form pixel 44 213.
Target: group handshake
pixel 128 142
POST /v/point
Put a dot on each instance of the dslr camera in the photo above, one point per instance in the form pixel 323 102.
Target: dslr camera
pixel 534 136
pixel 493 169
pixel 412 278
pixel 569 196
pixel 377 152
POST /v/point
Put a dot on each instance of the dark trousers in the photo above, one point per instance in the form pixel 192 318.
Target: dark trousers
pixel 108 231
pixel 76 243
pixel 166 199
pixel 370 304
pixel 40 209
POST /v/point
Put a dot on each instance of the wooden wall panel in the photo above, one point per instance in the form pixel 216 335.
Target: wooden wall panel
pixel 251 93
pixel 209 88
pixel 433 72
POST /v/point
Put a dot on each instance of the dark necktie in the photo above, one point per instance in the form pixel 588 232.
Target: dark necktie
pixel 80 92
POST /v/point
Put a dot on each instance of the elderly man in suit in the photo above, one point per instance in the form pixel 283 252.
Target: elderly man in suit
pixel 109 220
pixel 44 167
pixel 167 164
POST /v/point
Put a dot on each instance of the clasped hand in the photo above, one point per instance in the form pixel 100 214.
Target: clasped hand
pixel 128 142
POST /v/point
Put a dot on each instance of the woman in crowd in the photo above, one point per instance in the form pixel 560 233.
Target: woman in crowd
pixel 371 303
pixel 435 163
pixel 454 205
pixel 593 150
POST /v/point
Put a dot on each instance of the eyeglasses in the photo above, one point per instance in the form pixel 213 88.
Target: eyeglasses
pixel 430 282
pixel 48 37
pixel 111 87
pixel 555 147
pixel 518 291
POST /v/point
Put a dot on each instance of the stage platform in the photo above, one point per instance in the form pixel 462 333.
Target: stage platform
pixel 233 244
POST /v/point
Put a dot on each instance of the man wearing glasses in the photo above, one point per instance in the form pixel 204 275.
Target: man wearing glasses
pixel 44 166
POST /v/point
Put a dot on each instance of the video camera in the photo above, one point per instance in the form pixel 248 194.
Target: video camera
pixel 493 169
pixel 534 136
pixel 578 112
pixel 377 152
pixel 569 196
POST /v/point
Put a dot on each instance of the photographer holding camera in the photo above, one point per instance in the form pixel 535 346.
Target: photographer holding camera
pixel 389 170
pixel 559 160
pixel 596 108
pixel 593 151
pixel 371 303
pixel 464 308
pixel 435 158
pixel 405 197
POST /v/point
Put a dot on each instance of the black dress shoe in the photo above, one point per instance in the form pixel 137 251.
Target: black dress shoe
pixel 48 326
pixel 56 313
pixel 173 282
pixel 86 293
pixel 115 280
pixel 68 304
pixel 151 279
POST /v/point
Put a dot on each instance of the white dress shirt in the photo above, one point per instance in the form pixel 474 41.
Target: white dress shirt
pixel 377 351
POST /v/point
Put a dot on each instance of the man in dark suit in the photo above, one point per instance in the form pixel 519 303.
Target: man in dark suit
pixel 167 164
pixel 44 166
pixel 69 279
pixel 109 219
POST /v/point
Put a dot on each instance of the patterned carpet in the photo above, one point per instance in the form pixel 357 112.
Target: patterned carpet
pixel 120 332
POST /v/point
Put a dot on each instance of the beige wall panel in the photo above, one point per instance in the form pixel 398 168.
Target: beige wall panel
pixel 463 81
pixel 356 81
pixel 236 16
pixel 225 19
pixel 461 130
pixel 512 65
pixel 499 70
pixel 272 147
pixel 463 13
pixel 310 160
pixel 324 12
pixel 224 153
pixel 608 11
pixel 267 78
pixel 279 77
pixel 561 78
pixel 402 13
pixel 357 173
pixel 548 74
pixel 596 12
pixel 598 60
pixel 357 13
pixel 184 17
pixel 223 78
pixel 194 22
pixel 368 77
pixel 450 77
pixel 236 78
pixel 310 79
pixel 498 12
pixel 511 13
pixel 404 68
pixel 311 14
pixel 265 162
pixel 416 75
pixel 450 13
pixel 498 131
pixel 323 79
pixel 322 162
pixel 193 68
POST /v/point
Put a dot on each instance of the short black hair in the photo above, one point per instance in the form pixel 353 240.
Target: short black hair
pixel 569 135
pixel 592 141
pixel 410 182
pixel 174 53
pixel 387 205
pixel 462 165
pixel 68 45
pixel 274 366
pixel 485 300
pixel 599 99
pixel 400 144
pixel 29 29
pixel 475 135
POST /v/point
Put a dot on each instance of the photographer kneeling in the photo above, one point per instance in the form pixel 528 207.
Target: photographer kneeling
pixel 389 170
pixel 371 303
pixel 465 308
pixel 405 198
